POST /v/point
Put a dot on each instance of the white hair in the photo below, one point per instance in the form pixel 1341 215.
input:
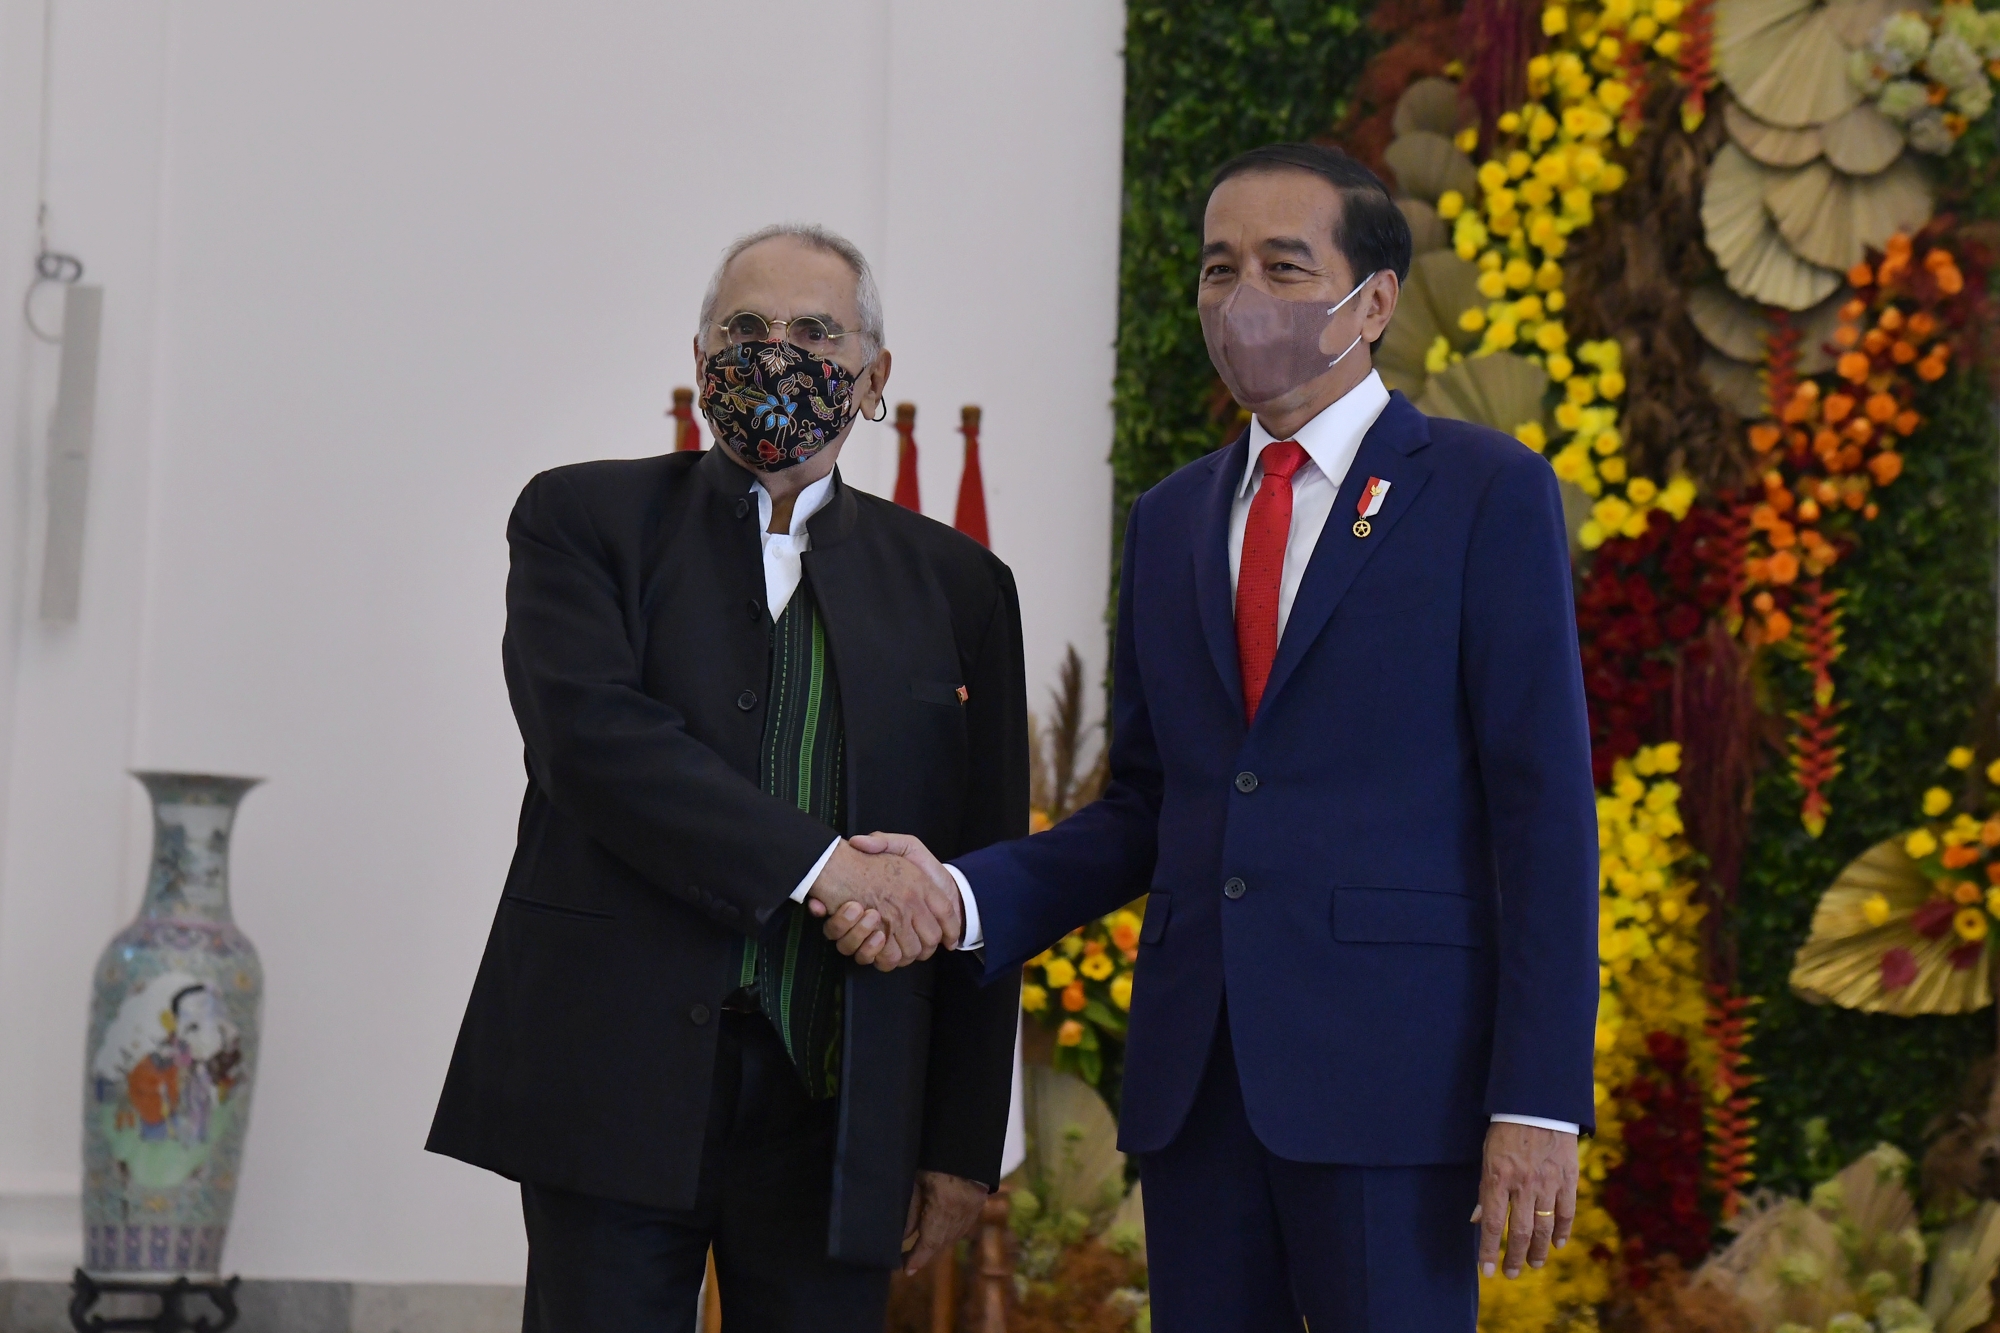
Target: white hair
pixel 866 298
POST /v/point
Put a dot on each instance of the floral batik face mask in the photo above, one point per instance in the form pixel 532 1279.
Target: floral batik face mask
pixel 774 404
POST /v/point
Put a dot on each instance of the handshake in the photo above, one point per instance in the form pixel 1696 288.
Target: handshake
pixel 887 901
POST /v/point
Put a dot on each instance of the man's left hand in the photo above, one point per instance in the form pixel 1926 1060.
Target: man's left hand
pixel 1527 1187
pixel 943 1209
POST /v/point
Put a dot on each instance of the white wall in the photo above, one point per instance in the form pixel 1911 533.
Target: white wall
pixel 368 266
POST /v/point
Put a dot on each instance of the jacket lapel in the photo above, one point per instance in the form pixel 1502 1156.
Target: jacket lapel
pixel 1338 557
pixel 1211 570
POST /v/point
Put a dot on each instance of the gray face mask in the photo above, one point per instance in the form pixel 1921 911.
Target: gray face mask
pixel 1264 347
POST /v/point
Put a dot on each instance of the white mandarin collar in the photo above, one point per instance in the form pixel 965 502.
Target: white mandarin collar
pixel 1331 439
pixel 811 500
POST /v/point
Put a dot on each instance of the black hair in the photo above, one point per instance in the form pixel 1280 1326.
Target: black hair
pixel 1372 234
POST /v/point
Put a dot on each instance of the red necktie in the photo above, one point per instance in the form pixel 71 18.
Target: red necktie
pixel 1263 567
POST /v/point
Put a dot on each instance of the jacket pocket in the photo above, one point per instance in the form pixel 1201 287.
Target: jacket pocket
pixel 1158 905
pixel 937 692
pixel 1410 916
pixel 556 909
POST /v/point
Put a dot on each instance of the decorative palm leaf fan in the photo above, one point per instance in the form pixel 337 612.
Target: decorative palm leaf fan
pixel 1862 142
pixel 1432 104
pixel 1832 219
pixel 1441 287
pixel 1772 146
pixel 1755 259
pixel 1427 164
pixel 1900 965
pixel 1502 390
pixel 1731 325
pixel 1737 385
pixel 1427 230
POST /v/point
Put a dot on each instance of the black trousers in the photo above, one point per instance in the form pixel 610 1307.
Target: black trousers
pixel 599 1266
pixel 1240 1240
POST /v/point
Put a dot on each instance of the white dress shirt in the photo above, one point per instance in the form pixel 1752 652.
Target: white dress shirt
pixel 1331 440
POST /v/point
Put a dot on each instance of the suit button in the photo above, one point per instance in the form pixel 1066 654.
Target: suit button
pixel 1246 783
pixel 743 507
pixel 698 1015
pixel 1235 888
pixel 747 700
pixel 756 608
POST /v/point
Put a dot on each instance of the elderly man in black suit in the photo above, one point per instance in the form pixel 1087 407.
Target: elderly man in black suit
pixel 721 662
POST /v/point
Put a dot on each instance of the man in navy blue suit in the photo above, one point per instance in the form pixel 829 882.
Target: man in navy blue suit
pixel 1350 766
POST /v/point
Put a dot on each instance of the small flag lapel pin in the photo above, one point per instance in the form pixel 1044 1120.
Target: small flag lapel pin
pixel 964 695
pixel 1372 496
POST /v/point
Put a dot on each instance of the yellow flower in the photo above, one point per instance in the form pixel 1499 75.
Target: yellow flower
pixel 1059 972
pixel 1591 535
pixel 1510 123
pixel 1034 998
pixel 1669 44
pixel 1121 991
pixel 1666 11
pixel 1098 966
pixel 1437 359
pixel 1936 801
pixel 1644 28
pixel 1555 300
pixel 1450 204
pixel 1993 772
pixel 1611 384
pixel 1492 176
pixel 1551 337
pixel 1492 285
pixel 1960 757
pixel 1611 511
pixel 1560 367
pixel 1641 491
pixel 1519 273
pixel 1876 909
pixel 1518 163
pixel 1070 1033
pixel 1580 389
pixel 1613 94
pixel 1555 20
pixel 1531 434
pixel 1993 901
pixel 1613 471
pixel 1970 923
pixel 1920 844
pixel 1473 320
pixel 1468 139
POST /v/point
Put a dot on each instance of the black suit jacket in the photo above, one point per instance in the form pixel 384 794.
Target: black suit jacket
pixel 636 658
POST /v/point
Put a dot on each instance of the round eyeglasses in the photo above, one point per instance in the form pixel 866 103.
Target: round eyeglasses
pixel 808 333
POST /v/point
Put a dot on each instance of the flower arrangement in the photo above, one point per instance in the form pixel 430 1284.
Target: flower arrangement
pixel 1554 160
pixel 1082 990
pixel 1907 928
pixel 1931 73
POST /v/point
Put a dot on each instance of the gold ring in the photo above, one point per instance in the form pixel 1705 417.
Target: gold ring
pixel 1550 1213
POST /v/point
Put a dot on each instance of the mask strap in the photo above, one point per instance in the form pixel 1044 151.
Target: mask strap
pixel 1343 356
pixel 883 403
pixel 1335 309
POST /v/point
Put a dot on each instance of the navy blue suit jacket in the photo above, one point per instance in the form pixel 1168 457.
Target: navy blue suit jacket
pixel 1413 944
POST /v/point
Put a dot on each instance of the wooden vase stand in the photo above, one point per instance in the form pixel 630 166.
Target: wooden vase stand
pixel 172 1316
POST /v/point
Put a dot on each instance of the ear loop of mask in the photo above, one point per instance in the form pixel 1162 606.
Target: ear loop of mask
pixel 1335 309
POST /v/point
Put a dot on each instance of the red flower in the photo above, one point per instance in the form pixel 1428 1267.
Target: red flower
pixel 1933 919
pixel 1965 955
pixel 1899 969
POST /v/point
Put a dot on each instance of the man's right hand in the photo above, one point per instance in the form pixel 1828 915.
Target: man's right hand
pixel 906 915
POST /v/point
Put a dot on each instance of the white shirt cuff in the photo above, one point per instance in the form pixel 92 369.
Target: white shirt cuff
pixel 972 937
pixel 805 885
pixel 1560 1126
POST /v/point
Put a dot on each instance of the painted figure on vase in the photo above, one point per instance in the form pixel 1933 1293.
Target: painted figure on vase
pixel 162 1078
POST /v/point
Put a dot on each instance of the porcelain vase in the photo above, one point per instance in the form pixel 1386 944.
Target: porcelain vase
pixel 172 1050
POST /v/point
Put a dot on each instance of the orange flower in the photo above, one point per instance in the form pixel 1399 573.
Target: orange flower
pixel 1882 406
pixel 1874 342
pixel 1870 512
pixel 1809 513
pixel 1073 997
pixel 1860 430
pixel 1950 281
pixel 1764 437
pixel 1853 367
pixel 1826 493
pixel 1894 267
pixel 1898 246
pixel 1922 325
pixel 1958 858
pixel 1890 319
pixel 1938 257
pixel 1826 443
pixel 1091 947
pixel 1763 602
pixel 1777 627
pixel 1929 370
pixel 1965 891
pixel 1763 516
pixel 1852 312
pixel 1902 353
pixel 1126 936
pixel 1783 538
pixel 1784 569
pixel 1856 498
pixel 1858 276
pixel 1846 336
pixel 1989 832
pixel 1993 872
pixel 1838 407
pixel 1758 570
pixel 1887 466
pixel 1070 1033
pixel 1907 422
